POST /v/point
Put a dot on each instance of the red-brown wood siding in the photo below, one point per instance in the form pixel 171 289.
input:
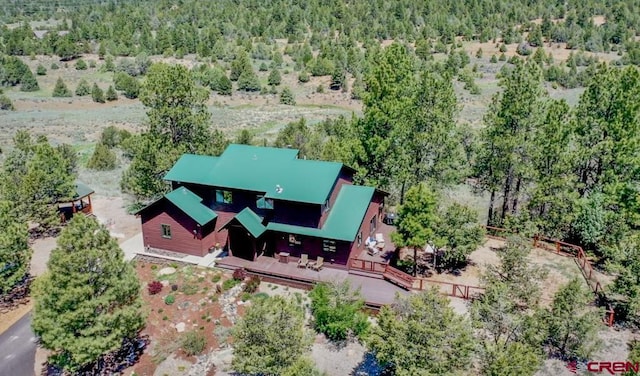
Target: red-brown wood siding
pixel 313 247
pixel 344 178
pixel 365 226
pixel 182 239
pixel 296 213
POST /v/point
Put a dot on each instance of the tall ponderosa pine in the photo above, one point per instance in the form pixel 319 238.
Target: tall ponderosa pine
pixel 390 84
pixel 176 107
pixel 421 335
pixel 88 301
pixel 178 123
pixel 503 164
pixel 553 198
pixel 15 253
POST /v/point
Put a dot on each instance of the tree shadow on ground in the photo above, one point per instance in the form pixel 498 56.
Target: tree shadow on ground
pixel 368 367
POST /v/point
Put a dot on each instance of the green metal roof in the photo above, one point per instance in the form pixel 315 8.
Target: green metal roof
pixel 344 218
pixel 277 173
pixel 251 221
pixel 191 168
pixel 82 190
pixel 191 204
pixel 348 212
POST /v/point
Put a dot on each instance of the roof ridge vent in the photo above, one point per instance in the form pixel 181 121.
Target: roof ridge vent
pixel 279 189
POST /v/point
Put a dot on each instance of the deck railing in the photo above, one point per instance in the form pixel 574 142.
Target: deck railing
pixel 568 250
pixel 410 282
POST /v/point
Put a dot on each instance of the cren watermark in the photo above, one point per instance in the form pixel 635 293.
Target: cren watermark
pixel 607 368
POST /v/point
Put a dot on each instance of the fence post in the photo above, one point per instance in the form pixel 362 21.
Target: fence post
pixel 557 247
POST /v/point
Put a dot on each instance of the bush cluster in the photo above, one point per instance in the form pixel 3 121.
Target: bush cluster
pixel 154 287
pixel 252 285
pixel 239 274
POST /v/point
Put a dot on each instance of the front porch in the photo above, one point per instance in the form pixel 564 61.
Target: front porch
pixel 376 292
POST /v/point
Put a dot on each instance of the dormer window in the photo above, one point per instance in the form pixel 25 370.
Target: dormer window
pixel 264 203
pixel 223 197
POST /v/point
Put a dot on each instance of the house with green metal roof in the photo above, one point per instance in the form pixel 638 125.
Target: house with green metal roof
pixel 261 201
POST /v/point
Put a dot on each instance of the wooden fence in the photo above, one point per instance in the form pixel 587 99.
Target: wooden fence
pixel 410 282
pixel 568 250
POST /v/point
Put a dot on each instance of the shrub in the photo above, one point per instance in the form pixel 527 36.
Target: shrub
pixel 174 287
pixel 41 70
pixel 252 286
pixel 61 90
pixel 337 310
pixel 494 59
pixel 169 299
pixel 111 94
pixel 81 65
pixel 216 278
pixel 28 82
pixel 102 159
pixel 239 274
pixel 287 97
pixel 274 78
pixel 248 81
pixel 193 343
pixel 260 295
pixel 263 67
pixel 5 103
pixel 229 284
pixel 245 296
pixel 303 77
pixel 154 287
pixel 54 66
pixel 83 88
pixel 97 94
pixel 189 289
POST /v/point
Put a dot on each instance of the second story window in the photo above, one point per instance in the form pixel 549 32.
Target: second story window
pixel 223 197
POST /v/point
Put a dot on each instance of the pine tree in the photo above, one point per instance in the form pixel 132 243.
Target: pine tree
pixel 274 78
pixel 88 301
pixel 287 97
pixel 248 81
pixel 240 65
pixel 102 158
pixel 270 337
pixel 15 254
pixel 422 335
pixel 505 144
pixel 83 88
pixel 97 94
pixel 61 90
pixel 111 94
pixel 573 330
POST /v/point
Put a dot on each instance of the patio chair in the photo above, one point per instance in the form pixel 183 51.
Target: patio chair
pixel 318 264
pixel 304 261
pixel 379 241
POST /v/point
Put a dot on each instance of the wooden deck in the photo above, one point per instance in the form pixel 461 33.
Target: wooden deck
pixel 376 292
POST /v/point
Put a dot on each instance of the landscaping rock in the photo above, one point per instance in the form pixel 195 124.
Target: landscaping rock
pixel 180 327
pixel 165 283
pixel 166 271
pixel 202 366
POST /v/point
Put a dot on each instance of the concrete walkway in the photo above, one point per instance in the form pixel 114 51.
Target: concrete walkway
pixel 135 246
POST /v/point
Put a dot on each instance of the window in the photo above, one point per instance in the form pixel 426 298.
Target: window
pixel 263 203
pixel 223 197
pixel 360 239
pixel 328 245
pixel 294 240
pixel 166 231
pixel 373 223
